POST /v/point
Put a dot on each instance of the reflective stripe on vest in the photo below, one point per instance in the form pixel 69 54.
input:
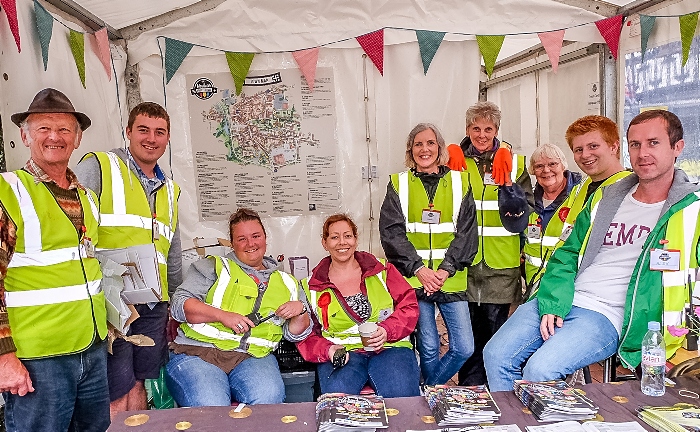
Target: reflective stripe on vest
pixel 425 228
pixel 213 332
pixel 48 296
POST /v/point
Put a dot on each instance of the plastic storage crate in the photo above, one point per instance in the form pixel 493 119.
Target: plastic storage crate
pixel 289 359
pixel 299 386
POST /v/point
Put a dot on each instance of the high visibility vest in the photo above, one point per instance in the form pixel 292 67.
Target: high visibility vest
pixel 498 247
pixel 235 291
pixel 342 328
pixel 55 303
pixel 538 250
pixel 675 283
pixel 126 218
pixel 432 240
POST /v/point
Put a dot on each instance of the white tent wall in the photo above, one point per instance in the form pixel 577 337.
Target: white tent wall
pixel 26 76
pixel 397 101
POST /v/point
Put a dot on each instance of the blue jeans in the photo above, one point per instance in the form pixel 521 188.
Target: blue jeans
pixel 195 382
pixel 70 393
pixel 585 338
pixel 438 370
pixel 393 372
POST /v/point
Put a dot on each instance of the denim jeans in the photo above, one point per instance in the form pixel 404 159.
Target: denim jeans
pixel 70 393
pixel 195 382
pixel 392 372
pixel 586 337
pixel 437 370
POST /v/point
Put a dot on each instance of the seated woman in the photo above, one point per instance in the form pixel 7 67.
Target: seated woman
pixel 349 288
pixel 234 311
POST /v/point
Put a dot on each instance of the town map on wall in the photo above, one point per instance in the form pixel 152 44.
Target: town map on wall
pixel 271 148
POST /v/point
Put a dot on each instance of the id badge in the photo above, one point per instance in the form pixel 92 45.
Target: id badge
pixel 89 247
pixel 534 231
pixel 156 233
pixel 665 260
pixel 384 314
pixel 430 216
pixel 488 179
pixel 566 233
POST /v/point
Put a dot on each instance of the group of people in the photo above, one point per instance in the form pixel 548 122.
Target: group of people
pixel 461 229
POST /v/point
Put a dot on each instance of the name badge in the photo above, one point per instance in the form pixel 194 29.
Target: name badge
pixel 384 314
pixel 431 216
pixel 488 179
pixel 88 247
pixel 566 233
pixel 156 233
pixel 665 260
pixel 534 231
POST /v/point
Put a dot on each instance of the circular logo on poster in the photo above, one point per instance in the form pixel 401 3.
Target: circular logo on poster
pixel 563 213
pixel 203 88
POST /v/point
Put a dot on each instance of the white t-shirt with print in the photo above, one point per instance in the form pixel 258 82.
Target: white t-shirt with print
pixel 602 287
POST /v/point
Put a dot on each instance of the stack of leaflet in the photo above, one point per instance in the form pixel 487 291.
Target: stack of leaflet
pixel 344 412
pixel 680 417
pixel 554 400
pixel 461 406
pixel 142 277
pixel 589 426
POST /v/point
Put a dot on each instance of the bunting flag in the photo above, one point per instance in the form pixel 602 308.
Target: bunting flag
pixel 239 65
pixel 102 51
pixel 610 29
pixel 10 8
pixel 307 60
pixel 76 40
pixel 44 26
pixel 373 44
pixel 490 46
pixel 552 41
pixel 646 22
pixel 428 44
pixel 688 23
pixel 175 53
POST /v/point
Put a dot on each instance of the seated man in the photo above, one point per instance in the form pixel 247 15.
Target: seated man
pixel 603 286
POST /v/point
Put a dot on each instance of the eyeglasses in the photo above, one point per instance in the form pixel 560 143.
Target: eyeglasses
pixel 551 165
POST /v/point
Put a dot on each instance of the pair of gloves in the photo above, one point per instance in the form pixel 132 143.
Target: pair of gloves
pixel 501 166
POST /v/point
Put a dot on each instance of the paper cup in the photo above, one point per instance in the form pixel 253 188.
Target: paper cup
pixel 367 329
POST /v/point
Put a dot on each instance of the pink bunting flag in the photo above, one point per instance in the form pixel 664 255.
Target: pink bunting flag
pixel 10 8
pixel 307 60
pixel 373 44
pixel 552 41
pixel 102 51
pixel 610 29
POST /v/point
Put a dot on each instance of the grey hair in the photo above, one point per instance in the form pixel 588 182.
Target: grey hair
pixel 546 151
pixel 443 156
pixel 485 110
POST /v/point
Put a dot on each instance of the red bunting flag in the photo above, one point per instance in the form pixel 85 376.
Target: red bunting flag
pixel 373 44
pixel 306 60
pixel 10 8
pixel 552 41
pixel 610 29
pixel 102 51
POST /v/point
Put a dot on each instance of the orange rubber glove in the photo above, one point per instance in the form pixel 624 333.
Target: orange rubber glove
pixel 502 165
pixel 456 162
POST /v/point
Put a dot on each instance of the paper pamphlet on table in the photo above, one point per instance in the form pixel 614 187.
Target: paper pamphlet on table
pixel 591 426
pixel 119 314
pixel 489 428
pixel 142 275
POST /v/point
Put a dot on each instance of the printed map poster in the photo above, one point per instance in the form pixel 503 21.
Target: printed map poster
pixel 272 148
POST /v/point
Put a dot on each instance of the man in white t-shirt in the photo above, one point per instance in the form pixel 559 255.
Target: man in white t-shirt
pixel 605 283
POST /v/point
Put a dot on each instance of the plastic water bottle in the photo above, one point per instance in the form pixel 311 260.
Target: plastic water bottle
pixel 653 361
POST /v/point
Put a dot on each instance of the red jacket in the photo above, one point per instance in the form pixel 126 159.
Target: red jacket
pixel 398 325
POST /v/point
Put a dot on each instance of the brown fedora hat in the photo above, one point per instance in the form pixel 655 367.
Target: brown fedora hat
pixel 51 101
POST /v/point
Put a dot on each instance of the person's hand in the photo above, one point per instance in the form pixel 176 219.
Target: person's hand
pixel 442 275
pixel 548 323
pixel 14 377
pixel 457 161
pixel 290 309
pixel 333 349
pixel 502 166
pixel 237 322
pixel 377 340
pixel 431 283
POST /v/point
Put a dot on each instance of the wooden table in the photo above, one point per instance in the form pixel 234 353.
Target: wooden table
pixel 268 418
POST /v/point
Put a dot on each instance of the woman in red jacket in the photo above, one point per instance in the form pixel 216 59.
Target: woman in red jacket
pixel 349 288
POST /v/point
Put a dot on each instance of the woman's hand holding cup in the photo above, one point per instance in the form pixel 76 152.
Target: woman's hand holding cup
pixel 373 336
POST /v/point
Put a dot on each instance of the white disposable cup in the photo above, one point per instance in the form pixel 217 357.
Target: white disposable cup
pixel 366 330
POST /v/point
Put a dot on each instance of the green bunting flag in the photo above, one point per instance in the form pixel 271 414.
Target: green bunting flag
pixel 175 53
pixel 239 64
pixel 77 47
pixel 647 24
pixel 490 46
pixel 428 43
pixel 688 24
pixel 44 26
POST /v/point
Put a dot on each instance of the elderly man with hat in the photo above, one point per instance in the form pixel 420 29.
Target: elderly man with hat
pixel 53 358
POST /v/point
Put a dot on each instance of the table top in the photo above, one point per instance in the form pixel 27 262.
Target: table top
pixel 617 401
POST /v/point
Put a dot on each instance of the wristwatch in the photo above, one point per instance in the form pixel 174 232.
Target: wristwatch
pixel 303 310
